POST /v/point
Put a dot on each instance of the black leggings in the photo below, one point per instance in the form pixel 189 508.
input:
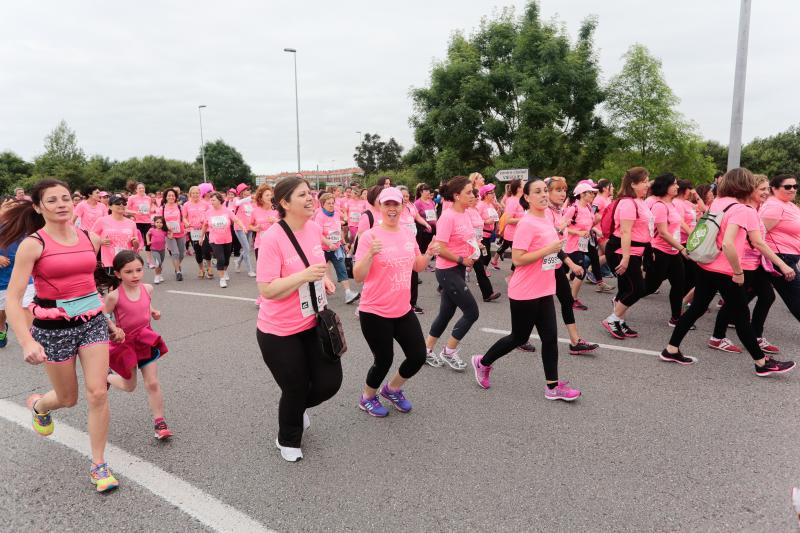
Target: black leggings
pixel 414 287
pixel 236 246
pixel 525 314
pixel 564 295
pixel 423 238
pixel 305 375
pixel 667 266
pixel 594 258
pixel 756 285
pixel 483 280
pixel 202 251
pixel 380 334
pixel 222 253
pixel 505 245
pixel 789 291
pixel 708 284
pixel 455 294
pixel 487 243
pixel 630 285
pixel 143 228
pixel 578 258
pixel 689 274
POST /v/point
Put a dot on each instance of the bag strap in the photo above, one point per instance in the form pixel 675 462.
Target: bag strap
pixel 371 218
pixel 302 255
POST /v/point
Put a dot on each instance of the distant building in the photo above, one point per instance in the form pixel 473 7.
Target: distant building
pixel 342 177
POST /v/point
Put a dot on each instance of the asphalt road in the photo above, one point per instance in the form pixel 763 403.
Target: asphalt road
pixel 650 446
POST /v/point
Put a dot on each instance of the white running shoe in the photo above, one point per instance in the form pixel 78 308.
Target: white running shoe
pixel 351 296
pixel 306 421
pixel 223 282
pixel 238 263
pixel 433 360
pixel 226 276
pixel 251 274
pixel 453 360
pixel 289 454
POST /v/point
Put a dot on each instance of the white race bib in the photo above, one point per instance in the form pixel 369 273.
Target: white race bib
pixel 355 216
pixel 583 244
pixel 335 237
pixel 476 253
pixel 219 221
pixel 248 210
pixel 412 227
pixel 651 226
pixel 493 216
pixel 306 305
pixel 550 262
pixel 195 234
pixel 144 209
pixel 174 226
pixel 430 215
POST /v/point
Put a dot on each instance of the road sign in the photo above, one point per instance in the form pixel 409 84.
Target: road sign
pixel 512 174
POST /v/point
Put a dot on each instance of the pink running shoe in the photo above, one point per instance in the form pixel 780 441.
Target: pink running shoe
pixel 561 392
pixel 481 372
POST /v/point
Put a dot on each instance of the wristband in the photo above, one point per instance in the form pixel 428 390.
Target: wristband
pixel 738 274
pixel 460 260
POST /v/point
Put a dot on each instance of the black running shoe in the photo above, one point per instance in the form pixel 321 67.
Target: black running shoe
pixel 527 347
pixel 676 358
pixel 418 310
pixel 582 347
pixel 627 331
pixel 614 329
pixel 773 366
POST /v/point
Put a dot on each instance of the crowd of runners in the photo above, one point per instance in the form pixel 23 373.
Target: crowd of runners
pixel 72 269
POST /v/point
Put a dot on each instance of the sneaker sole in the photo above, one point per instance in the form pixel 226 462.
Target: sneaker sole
pixel 107 489
pixel 278 446
pixel 562 398
pixel 683 363
pixel 163 437
pixel 370 413
pixel 771 372
pixel 608 329
pixel 723 349
pixel 475 368
pixel 433 364
pixel 453 366
pixel 582 352
pixel 395 405
pixel 631 335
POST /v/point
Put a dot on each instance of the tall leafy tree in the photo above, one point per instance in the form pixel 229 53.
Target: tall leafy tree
pixel 516 93
pixel 374 155
pixel 13 170
pixel 777 154
pixel 63 158
pixel 225 165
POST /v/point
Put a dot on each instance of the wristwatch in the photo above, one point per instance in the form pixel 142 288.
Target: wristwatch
pixel 460 260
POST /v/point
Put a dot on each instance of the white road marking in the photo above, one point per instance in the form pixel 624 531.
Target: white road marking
pixel 189 499
pixel 214 296
pixel 567 341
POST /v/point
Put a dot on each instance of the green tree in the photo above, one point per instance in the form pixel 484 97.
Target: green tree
pixel 391 156
pixel 516 93
pixel 374 155
pixel 157 173
pixel 717 152
pixel 225 165
pixel 777 154
pixel 13 170
pixel 62 157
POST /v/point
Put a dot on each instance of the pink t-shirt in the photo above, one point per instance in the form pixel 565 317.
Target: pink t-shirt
pixel 784 237
pixel 196 213
pixel 407 218
pixel 513 210
pixel 751 257
pixel 173 215
pixel 672 215
pixel 742 215
pixel 601 202
pixel 141 208
pixel 88 215
pixel 218 225
pixel 331 229
pixel 387 289
pixel 363 224
pixel 556 218
pixel 120 233
pixel 455 231
pixel 689 213
pixel 285 317
pixel 477 222
pixel 263 219
pixel 489 215
pixel 427 210
pixel 354 210
pixel 636 210
pixel 583 222
pixel 158 239
pixel 537 279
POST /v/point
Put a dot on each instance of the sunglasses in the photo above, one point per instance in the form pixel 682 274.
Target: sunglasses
pixel 789 187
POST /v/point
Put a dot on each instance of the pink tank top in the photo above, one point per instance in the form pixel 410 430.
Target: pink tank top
pixel 130 315
pixel 65 272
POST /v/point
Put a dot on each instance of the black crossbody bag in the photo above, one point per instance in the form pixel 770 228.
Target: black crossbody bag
pixel 329 328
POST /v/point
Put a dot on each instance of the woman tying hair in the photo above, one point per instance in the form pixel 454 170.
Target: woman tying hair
pixel 530 294
pixel 725 275
pixel 632 228
pixel 68 313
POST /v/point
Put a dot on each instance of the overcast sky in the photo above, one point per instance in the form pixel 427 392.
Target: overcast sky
pixel 128 77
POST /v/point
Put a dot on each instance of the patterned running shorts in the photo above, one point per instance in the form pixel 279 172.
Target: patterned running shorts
pixel 61 345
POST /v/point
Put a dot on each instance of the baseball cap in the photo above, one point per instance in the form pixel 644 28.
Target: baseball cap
pixel 582 187
pixel 390 194
pixel 486 189
pixel 241 187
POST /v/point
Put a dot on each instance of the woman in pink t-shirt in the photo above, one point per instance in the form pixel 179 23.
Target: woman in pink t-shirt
pixel 632 228
pixel 355 207
pixel 484 283
pixel 287 334
pixel 725 275
pixel 217 225
pixel 117 233
pixel 176 230
pixel 68 314
pixel 384 261
pixel 427 209
pixel 264 214
pixel 329 220
pixel 90 210
pixel 580 220
pixel 781 218
pixel 412 219
pixel 489 209
pixel 530 294
pixel 141 208
pixel 513 213
pixel 686 204
pixel 195 210
pixel 458 249
pixel 667 254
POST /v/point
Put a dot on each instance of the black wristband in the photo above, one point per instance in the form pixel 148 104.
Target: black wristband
pixel 460 260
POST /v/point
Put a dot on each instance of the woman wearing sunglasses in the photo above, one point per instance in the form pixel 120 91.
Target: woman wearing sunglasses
pixel 781 218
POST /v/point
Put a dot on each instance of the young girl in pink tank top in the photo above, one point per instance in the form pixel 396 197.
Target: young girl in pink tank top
pixel 134 342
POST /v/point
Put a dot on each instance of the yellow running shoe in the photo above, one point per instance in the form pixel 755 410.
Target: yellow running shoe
pixel 42 423
pixel 103 478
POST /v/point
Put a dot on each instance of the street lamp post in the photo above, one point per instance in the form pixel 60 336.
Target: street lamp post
pixel 359 142
pixel 202 143
pixel 737 113
pixel 296 104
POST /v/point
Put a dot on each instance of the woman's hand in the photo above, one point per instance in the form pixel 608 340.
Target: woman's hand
pixel 577 270
pixel 433 248
pixel 105 241
pixel 330 287
pixel 623 266
pixel 4 261
pixel 33 353
pixel 156 314
pixel 553 248
pixel 738 278
pixel 314 273
pixel 375 247
pixel 788 272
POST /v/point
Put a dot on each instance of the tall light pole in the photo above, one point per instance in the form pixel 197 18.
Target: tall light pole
pixel 202 142
pixel 296 104
pixel 359 142
pixel 737 113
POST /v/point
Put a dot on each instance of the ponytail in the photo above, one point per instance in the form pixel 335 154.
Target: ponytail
pixel 21 219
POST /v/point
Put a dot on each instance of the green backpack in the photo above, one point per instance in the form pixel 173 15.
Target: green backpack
pixel 702 244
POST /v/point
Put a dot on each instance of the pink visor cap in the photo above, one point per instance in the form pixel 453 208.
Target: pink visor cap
pixel 486 189
pixel 205 188
pixel 390 194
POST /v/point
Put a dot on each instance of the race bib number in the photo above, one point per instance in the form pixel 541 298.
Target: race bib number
pixel 248 210
pixel 195 234
pixel 144 209
pixel 493 216
pixel 651 226
pixel 677 236
pixel 583 244
pixel 430 215
pixel 355 217
pixel 550 262
pixel 476 250
pixel 306 305
pixel 335 237
pixel 219 222
pixel 412 228
pixel 174 226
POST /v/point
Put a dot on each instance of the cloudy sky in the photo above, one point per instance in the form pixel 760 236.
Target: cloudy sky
pixel 128 77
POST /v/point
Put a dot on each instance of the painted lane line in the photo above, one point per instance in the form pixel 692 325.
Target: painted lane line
pixel 194 502
pixel 187 293
pixel 613 347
